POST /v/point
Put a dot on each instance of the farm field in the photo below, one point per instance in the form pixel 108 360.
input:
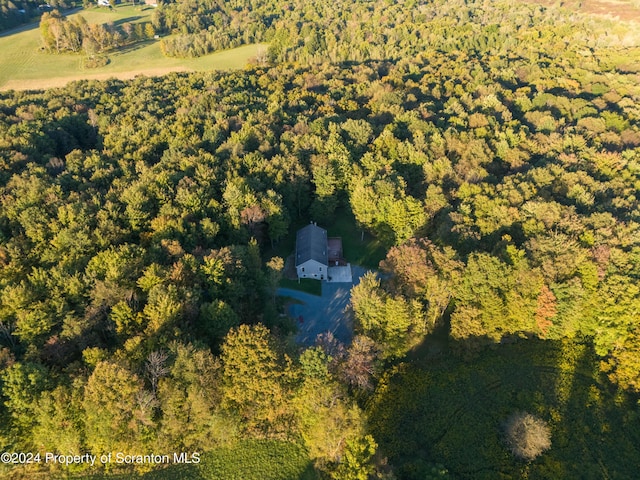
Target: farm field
pixel 24 66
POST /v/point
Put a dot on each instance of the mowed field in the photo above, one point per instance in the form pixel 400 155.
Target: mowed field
pixel 24 65
pixel 624 10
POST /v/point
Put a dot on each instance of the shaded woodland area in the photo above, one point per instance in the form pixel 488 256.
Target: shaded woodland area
pixel 498 161
pixel 16 13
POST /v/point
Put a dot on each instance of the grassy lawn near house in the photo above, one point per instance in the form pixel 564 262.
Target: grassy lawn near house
pixel 25 66
pixel 365 251
pixel 308 285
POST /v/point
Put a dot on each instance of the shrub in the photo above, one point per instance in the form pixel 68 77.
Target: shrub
pixel 526 436
pixel 96 61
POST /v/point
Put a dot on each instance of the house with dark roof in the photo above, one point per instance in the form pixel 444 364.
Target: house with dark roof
pixel 312 253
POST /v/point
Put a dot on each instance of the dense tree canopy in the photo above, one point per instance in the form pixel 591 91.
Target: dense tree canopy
pixel 60 34
pixel 498 161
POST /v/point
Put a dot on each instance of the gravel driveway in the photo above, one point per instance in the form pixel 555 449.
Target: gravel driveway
pixel 316 315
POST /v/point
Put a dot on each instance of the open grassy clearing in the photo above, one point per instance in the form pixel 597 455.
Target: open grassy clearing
pixel 307 285
pixel 247 460
pixel 450 411
pixel 23 65
pixel 628 10
pixel 119 14
pixel 358 249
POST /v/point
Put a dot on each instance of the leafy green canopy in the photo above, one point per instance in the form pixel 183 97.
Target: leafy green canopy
pixel 134 216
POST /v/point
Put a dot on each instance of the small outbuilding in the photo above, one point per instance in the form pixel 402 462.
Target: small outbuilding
pixel 335 251
pixel 312 256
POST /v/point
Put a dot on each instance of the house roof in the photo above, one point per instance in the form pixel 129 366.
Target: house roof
pixel 311 244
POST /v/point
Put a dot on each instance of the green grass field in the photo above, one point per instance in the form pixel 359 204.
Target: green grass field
pixel 23 65
pixel 358 249
pixel 449 412
pixel 308 285
pixel 246 460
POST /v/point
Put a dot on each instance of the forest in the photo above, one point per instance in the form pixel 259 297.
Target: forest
pixel 493 148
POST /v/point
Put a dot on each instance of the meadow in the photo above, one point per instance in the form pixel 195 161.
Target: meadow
pixel 24 65
pixel 248 460
pixel 621 10
pixel 447 413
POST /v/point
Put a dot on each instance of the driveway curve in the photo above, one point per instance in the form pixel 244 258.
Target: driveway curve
pixel 326 313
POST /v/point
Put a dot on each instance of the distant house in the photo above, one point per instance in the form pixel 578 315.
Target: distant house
pixel 152 3
pixel 312 253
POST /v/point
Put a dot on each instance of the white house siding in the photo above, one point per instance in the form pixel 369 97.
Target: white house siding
pixel 312 269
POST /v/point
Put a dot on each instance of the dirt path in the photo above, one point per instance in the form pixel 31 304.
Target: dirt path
pixel 44 83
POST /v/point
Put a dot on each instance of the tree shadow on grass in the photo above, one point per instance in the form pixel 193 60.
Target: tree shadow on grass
pixel 132 47
pixel 450 412
pixel 122 21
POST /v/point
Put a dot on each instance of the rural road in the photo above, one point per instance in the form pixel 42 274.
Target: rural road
pixel 316 315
